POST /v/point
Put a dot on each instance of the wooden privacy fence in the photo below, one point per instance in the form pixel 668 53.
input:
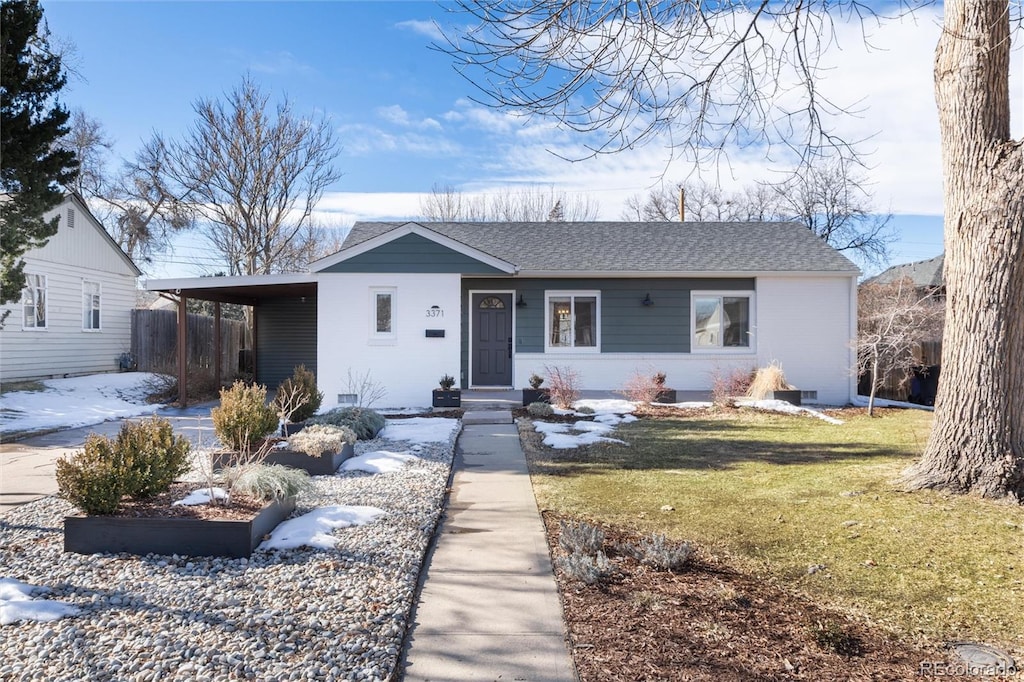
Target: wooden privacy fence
pixel 155 341
pixel 898 385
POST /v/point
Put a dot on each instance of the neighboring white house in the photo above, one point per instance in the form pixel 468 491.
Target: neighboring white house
pixel 491 303
pixel 74 316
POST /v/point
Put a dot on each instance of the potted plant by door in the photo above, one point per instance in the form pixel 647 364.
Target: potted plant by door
pixel 536 394
pixel 663 395
pixel 447 396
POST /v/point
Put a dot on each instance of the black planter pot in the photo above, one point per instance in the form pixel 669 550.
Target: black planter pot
pixel 536 395
pixel 666 395
pixel 182 536
pixel 791 397
pixel 291 428
pixel 449 398
pixel 324 465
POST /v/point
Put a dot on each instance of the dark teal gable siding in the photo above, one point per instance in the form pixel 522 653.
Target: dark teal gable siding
pixel 285 337
pixel 627 326
pixel 413 253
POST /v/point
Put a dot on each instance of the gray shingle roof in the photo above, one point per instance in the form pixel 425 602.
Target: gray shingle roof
pixel 637 246
pixel 923 273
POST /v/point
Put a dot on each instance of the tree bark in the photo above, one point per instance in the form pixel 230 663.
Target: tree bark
pixel 977 443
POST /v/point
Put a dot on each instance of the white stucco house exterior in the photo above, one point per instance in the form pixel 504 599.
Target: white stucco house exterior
pixel 74 316
pixel 491 303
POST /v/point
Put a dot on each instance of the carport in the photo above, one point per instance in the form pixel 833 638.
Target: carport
pixel 284 320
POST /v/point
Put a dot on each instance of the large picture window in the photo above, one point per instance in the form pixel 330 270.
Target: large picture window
pixel 382 314
pixel 33 302
pixel 721 321
pixel 573 320
pixel 90 305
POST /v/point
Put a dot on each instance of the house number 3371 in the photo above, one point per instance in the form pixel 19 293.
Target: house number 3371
pixel 435 312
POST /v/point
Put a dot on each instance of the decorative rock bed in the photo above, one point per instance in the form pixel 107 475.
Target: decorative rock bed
pixel 304 613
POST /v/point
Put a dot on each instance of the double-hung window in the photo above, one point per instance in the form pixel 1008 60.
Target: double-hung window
pixel 90 305
pixel 722 321
pixel 382 314
pixel 33 302
pixel 573 320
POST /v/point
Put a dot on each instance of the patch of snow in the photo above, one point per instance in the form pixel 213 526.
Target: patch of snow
pixel 202 496
pixel 314 529
pixel 787 408
pixel 403 410
pixel 606 405
pixel 379 462
pixel 690 405
pixel 862 401
pixel 568 436
pixel 420 429
pixel 78 401
pixel 18 602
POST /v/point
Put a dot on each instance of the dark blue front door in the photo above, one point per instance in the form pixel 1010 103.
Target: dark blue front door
pixel 491 345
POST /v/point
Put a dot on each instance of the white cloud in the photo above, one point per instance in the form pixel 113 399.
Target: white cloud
pixel 424 28
pixel 275 63
pixel 360 139
pixel 396 115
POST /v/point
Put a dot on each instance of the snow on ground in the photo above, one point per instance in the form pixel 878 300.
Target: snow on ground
pixel 202 496
pixel 420 429
pixel 314 529
pixel 862 401
pixel 18 602
pixel 78 401
pixel 378 462
pixel 786 408
pixel 568 436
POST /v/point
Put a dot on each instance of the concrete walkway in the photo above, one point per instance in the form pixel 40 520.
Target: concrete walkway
pixel 489 608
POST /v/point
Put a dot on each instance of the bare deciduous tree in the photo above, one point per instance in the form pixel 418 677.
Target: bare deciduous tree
pixel 519 205
pixel 712 74
pixel 253 176
pixel 893 319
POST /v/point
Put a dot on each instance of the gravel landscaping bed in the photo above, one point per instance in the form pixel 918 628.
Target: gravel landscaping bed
pixel 302 614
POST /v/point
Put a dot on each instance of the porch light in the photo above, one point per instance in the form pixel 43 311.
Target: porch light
pixel 520 303
pixel 647 300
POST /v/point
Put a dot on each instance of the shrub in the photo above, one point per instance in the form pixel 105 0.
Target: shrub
pixel 641 388
pixel 659 380
pixel 301 387
pixel 92 479
pixel 582 537
pixel 540 409
pixel 586 568
pixel 535 381
pixel 657 551
pixel 564 386
pixel 243 417
pixel 446 382
pixel 365 422
pixel 585 409
pixel 150 456
pixel 266 481
pixel 729 383
pixel 317 440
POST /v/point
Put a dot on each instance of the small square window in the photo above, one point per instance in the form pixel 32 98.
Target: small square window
pixel 573 320
pixel 722 321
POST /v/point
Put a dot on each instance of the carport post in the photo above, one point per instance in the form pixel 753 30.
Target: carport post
pixel 182 350
pixel 217 350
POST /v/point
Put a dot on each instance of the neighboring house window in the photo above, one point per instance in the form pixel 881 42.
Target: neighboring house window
pixel 573 320
pixel 33 302
pixel 722 320
pixel 90 305
pixel 382 307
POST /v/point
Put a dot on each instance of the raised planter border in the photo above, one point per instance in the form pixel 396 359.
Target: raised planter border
pixel 185 537
pixel 666 395
pixel 325 465
pixel 791 397
pixel 450 398
pixel 536 395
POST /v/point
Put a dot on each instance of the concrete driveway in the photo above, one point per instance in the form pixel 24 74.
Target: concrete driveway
pixel 27 466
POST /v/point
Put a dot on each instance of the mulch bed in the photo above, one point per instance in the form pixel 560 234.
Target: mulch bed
pixel 161 506
pixel 710 622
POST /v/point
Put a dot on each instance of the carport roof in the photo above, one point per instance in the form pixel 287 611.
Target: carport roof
pixel 243 289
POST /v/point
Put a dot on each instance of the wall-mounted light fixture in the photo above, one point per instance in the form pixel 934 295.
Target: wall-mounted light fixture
pixel 520 303
pixel 647 300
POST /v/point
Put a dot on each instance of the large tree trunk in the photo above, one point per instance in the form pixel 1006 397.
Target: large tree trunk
pixel 977 444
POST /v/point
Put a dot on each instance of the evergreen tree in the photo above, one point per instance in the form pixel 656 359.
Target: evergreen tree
pixel 32 120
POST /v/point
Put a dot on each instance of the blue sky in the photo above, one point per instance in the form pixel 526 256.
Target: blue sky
pixel 405 119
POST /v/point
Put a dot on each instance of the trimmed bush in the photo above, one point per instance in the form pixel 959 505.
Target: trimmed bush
pixel 303 382
pixel 92 479
pixel 317 440
pixel 151 456
pixel 365 422
pixel 243 418
pixel 266 481
pixel 540 409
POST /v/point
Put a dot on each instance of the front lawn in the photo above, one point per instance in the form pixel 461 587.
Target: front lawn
pixel 775 495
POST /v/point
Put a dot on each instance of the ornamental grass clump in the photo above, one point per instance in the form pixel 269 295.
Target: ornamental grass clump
pixel 316 440
pixel 243 418
pixel 143 461
pixel 767 380
pixel 365 422
pixel 657 551
pixel 265 481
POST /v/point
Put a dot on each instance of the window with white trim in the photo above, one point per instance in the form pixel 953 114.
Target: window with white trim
pixel 573 320
pixel 33 302
pixel 382 313
pixel 721 320
pixel 90 305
